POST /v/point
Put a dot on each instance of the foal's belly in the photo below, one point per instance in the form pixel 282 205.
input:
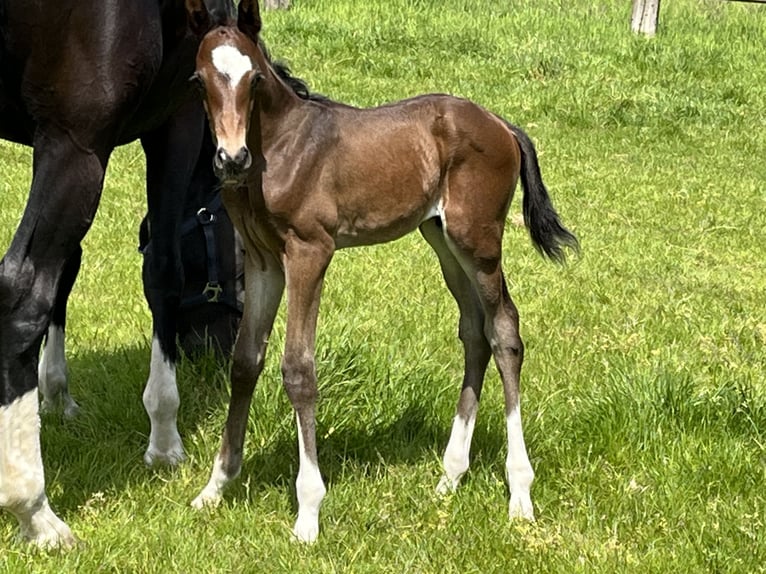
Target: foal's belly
pixel 373 225
pixel 384 200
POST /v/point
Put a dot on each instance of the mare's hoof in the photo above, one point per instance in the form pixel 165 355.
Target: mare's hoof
pixel 68 406
pixel 47 531
pixel 171 457
pixel 306 530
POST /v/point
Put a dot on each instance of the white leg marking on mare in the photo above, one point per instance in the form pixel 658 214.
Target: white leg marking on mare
pixel 310 490
pixel 22 480
pixel 457 453
pixel 52 375
pixel 518 469
pixel 212 494
pixel 161 402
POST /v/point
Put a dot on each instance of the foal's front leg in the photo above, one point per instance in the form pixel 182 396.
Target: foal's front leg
pixel 305 266
pixel 264 285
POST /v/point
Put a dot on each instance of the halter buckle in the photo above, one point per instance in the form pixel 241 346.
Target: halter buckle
pixel 212 291
pixel 205 217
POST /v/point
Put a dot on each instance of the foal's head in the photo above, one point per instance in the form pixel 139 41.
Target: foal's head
pixel 228 71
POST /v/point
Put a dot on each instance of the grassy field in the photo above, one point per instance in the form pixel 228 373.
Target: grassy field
pixel 643 387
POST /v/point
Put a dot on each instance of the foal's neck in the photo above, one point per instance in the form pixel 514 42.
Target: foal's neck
pixel 274 103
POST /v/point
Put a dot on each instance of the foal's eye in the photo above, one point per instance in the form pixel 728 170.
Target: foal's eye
pixel 257 77
pixel 197 82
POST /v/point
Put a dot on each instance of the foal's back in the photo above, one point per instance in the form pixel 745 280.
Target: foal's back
pixel 391 167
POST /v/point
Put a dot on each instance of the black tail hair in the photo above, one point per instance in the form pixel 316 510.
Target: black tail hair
pixel 548 234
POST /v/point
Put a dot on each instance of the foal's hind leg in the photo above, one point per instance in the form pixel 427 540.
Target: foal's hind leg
pixel 477 353
pixel 479 256
pixel 501 327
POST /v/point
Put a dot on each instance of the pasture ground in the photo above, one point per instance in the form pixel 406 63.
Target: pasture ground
pixel 643 388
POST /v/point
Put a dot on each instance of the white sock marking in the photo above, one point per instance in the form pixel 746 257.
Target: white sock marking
pixel 213 492
pixel 457 454
pixel 161 402
pixel 22 480
pixel 518 469
pixel 231 63
pixel 310 490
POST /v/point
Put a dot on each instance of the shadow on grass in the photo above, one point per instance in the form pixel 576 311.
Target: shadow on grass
pixel 102 449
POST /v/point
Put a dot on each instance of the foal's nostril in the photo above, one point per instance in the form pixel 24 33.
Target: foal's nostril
pixel 221 158
pixel 243 158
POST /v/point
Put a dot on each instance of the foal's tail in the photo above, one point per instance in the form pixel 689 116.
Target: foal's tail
pixel 547 233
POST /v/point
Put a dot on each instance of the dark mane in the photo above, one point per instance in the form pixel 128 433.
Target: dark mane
pixel 297 85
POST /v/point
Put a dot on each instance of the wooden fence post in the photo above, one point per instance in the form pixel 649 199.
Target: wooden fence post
pixel 646 14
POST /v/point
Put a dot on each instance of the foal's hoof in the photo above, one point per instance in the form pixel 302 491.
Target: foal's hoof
pixel 206 499
pixel 56 537
pixel 71 409
pixel 520 506
pixel 446 486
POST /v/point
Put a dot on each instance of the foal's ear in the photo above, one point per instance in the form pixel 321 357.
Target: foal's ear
pixel 249 19
pixel 199 17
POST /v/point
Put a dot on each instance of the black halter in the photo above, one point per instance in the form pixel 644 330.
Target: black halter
pixel 213 292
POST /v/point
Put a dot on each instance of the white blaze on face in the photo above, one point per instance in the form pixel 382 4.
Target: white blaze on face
pixel 231 123
pixel 231 63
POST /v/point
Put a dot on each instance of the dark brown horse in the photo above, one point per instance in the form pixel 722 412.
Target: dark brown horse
pixel 303 178
pixel 78 79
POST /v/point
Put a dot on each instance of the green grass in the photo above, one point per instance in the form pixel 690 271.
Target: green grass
pixel 644 396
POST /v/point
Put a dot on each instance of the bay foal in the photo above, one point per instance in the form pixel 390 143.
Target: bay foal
pixel 305 177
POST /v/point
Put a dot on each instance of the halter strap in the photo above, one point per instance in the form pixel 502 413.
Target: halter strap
pixel 213 292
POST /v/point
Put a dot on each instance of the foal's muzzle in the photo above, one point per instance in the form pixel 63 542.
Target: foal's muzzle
pixel 231 169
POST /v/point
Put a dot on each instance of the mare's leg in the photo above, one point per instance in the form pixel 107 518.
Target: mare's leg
pixel 66 186
pixel 305 266
pixel 171 153
pixel 264 286
pixel 476 351
pixel 52 370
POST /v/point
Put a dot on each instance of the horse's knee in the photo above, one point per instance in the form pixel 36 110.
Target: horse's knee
pixel 471 333
pixel 299 378
pixel 25 306
pixel 244 373
pixel 247 364
pixel 163 276
pixel 512 346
